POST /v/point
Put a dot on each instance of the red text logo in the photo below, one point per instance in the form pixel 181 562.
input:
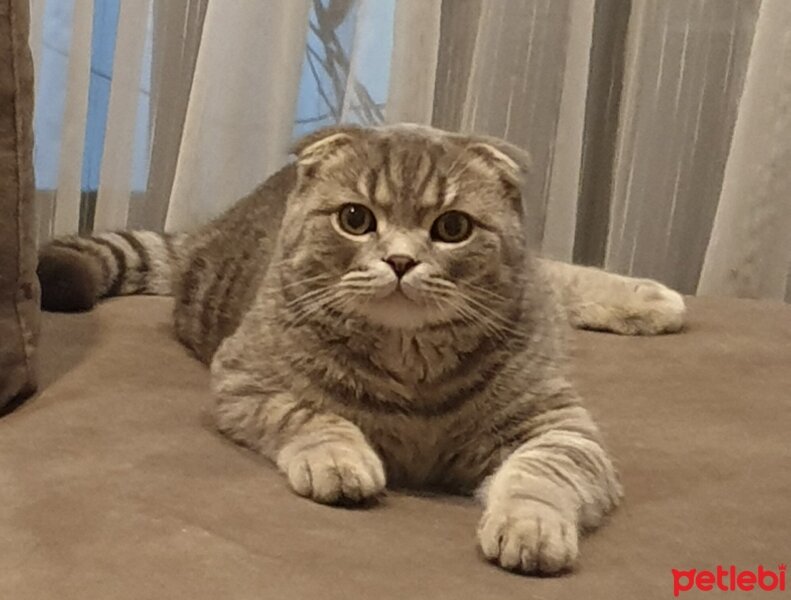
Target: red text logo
pixel 729 579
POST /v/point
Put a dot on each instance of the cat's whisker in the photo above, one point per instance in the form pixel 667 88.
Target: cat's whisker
pixel 487 310
pixel 318 277
pixel 337 297
pixel 441 302
pixel 441 281
pixel 345 303
pixel 432 288
pixel 300 317
pixel 472 318
pixel 501 321
pixel 310 295
pixel 475 289
pixel 358 276
pixel 358 287
pixel 299 309
pixel 495 327
pixel 307 280
pixel 463 311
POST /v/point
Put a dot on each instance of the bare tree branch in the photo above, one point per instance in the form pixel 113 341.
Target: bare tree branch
pixel 336 64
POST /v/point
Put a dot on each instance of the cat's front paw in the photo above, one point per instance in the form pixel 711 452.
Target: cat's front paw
pixel 528 537
pixel 335 472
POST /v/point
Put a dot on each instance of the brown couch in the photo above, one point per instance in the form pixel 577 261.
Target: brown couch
pixel 19 292
pixel 116 487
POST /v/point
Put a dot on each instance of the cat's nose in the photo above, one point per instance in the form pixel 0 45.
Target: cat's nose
pixel 400 263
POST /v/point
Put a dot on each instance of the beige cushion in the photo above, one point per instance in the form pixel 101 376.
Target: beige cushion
pixel 19 291
pixel 115 485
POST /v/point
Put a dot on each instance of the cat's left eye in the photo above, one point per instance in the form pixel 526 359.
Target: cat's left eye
pixel 452 227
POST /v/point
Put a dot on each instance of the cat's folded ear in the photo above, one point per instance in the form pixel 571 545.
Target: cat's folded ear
pixel 510 161
pixel 322 144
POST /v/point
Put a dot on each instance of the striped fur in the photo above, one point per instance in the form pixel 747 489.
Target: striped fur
pixel 75 271
pixel 457 381
pixel 464 390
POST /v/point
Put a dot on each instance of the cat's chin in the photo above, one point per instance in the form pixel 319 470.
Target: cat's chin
pixel 397 311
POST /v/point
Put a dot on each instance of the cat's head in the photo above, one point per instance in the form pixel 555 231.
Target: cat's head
pixel 404 226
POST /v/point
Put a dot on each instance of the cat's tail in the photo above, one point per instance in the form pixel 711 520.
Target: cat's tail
pixel 75 271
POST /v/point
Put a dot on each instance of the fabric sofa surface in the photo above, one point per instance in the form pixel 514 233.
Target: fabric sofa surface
pixel 115 485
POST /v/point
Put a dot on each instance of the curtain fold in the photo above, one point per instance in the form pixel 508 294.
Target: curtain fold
pixel 69 181
pixel 683 77
pixel 749 253
pixel 502 67
pixel 177 27
pixel 600 128
pixel 413 67
pixel 240 116
pixel 115 177
pixel 560 223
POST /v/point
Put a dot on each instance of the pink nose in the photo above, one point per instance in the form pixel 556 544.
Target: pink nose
pixel 400 264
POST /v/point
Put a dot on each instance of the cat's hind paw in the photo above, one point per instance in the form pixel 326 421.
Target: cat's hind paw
pixel 654 309
pixel 640 307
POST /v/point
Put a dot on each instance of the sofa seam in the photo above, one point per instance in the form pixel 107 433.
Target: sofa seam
pixel 14 65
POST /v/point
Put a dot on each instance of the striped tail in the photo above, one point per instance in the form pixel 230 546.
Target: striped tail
pixel 76 271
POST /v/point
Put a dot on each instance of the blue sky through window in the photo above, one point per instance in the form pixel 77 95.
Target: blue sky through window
pixel 105 28
pixel 318 100
pixel 365 37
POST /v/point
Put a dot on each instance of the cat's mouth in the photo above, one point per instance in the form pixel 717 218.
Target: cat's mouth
pixel 403 307
pixel 399 294
pixel 401 303
pixel 397 290
pixel 406 293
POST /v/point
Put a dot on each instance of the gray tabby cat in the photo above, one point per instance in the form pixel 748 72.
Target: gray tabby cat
pixel 372 314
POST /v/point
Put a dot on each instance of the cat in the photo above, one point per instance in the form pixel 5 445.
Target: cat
pixel 372 314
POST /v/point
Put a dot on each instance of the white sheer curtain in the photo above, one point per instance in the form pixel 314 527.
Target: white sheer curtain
pixel 67 210
pixel 241 108
pixel 659 130
pixel 115 177
pixel 749 252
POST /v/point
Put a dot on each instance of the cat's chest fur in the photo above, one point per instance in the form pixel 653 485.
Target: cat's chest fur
pixel 415 358
pixel 421 438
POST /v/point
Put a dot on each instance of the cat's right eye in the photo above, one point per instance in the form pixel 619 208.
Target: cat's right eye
pixel 356 219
